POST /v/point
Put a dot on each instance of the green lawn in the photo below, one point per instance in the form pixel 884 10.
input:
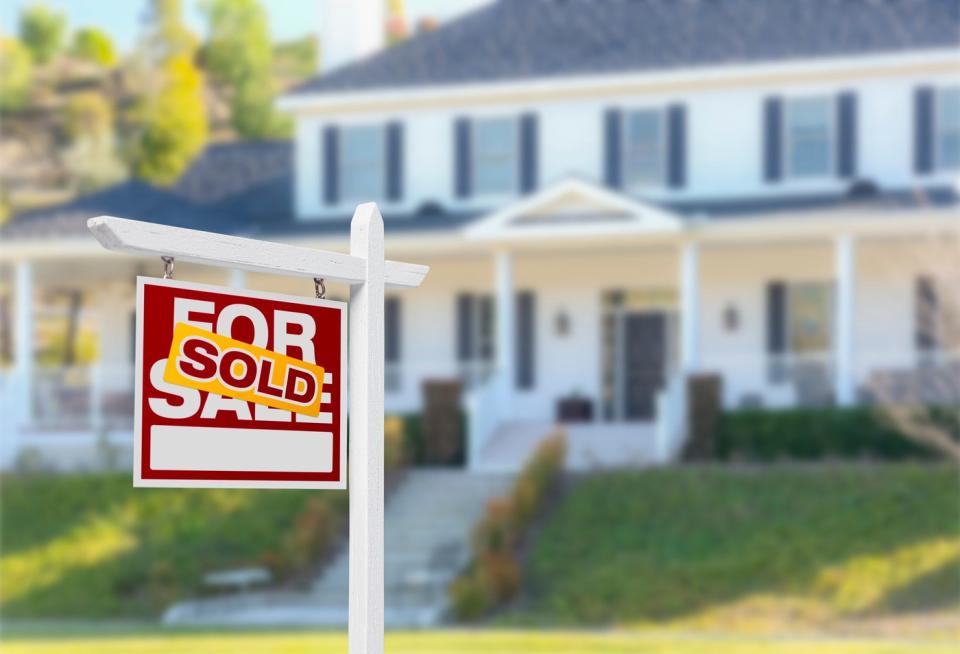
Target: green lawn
pixel 772 549
pixel 92 546
pixel 453 642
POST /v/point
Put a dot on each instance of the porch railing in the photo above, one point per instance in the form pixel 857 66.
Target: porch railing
pixel 93 397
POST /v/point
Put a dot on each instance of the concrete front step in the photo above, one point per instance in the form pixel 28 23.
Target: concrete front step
pixel 429 519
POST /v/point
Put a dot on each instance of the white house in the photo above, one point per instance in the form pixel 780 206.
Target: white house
pixel 612 195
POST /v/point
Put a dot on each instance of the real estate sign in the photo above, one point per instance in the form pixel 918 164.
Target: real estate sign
pixel 238 389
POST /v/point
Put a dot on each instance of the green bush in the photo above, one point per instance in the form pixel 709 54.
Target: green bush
pixel 810 434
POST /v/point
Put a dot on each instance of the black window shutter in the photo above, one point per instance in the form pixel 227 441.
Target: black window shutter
pixel 528 153
pixel 486 329
pixel 776 318
pixel 613 148
pixel 677 135
pixel 847 134
pixel 923 130
pixel 925 303
pixel 391 329
pixel 772 139
pixel 461 164
pixel 331 165
pixel 526 343
pixel 395 161
pixel 465 330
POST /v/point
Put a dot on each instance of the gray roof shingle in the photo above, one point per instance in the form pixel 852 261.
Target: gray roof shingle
pixel 520 39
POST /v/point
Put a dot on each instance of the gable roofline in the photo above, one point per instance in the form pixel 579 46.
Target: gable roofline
pixel 635 216
pixel 928 63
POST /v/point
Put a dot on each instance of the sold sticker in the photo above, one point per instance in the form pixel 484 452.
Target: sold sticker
pixel 215 363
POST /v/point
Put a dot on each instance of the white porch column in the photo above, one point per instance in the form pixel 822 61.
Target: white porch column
pixel 689 308
pixel 238 278
pixel 505 345
pixel 845 270
pixel 23 348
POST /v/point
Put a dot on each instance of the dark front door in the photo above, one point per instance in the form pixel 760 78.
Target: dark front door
pixel 644 340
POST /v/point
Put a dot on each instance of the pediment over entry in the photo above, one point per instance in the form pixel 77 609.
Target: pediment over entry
pixel 575 207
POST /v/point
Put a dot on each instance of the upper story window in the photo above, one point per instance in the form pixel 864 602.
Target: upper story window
pixel 362 162
pixel 947 120
pixel 495 156
pixel 644 148
pixel 808 137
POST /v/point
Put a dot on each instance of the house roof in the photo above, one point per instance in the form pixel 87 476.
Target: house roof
pixel 521 39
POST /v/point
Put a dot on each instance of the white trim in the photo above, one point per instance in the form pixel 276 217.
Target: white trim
pixel 641 216
pixel 467 93
pixel 475 197
pixel 663 147
pixel 937 164
pixel 786 136
pixel 342 198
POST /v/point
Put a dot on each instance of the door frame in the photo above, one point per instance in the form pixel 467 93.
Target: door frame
pixel 619 314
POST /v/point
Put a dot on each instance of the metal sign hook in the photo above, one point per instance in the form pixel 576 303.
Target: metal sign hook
pixel 167 267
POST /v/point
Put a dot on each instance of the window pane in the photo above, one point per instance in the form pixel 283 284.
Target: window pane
pixel 495 155
pixel 644 150
pixel 809 314
pixel 948 128
pixel 809 139
pixel 361 163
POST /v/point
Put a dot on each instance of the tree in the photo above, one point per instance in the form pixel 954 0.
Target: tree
pixel 93 45
pixel 16 70
pixel 174 123
pixel 239 55
pixel 167 35
pixel 42 31
pixel 91 156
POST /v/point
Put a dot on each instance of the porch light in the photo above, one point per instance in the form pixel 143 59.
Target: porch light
pixel 562 323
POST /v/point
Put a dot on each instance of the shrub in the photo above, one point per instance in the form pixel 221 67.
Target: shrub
pixel 809 434
pixel 494 577
pixel 470 598
pixel 394 443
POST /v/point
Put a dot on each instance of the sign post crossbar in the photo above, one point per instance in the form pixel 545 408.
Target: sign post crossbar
pixel 367 273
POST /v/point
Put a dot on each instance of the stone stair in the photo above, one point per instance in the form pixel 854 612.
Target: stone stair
pixel 428 521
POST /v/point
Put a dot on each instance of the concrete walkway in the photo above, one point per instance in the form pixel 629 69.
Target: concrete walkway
pixel 429 518
pixel 590 446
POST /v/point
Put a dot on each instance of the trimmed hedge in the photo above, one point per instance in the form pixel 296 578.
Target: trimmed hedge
pixel 415 444
pixel 810 434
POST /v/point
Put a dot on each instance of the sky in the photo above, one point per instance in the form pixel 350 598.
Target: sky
pixel 289 19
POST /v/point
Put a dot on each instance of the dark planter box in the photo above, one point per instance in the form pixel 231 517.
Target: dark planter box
pixel 574 409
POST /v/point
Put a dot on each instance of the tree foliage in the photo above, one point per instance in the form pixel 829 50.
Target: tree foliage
pixel 93 45
pixel 239 55
pixel 42 31
pixel 174 123
pixel 167 35
pixel 16 71
pixel 87 115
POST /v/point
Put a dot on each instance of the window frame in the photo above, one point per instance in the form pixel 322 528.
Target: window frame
pixel 938 165
pixel 786 136
pixel 663 147
pixel 791 288
pixel 380 192
pixel 514 187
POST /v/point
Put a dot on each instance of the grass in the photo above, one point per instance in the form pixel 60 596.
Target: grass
pixel 443 642
pixel 91 546
pixel 756 549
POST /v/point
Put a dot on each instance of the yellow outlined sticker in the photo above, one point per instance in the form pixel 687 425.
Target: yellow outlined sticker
pixel 219 364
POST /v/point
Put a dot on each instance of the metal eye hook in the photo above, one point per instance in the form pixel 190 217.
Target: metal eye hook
pixel 167 267
pixel 319 288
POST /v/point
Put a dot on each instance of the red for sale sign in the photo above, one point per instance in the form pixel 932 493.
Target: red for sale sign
pixel 238 389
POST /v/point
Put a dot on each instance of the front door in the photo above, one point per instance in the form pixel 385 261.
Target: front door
pixel 644 351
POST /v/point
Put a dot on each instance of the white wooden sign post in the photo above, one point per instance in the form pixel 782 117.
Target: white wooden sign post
pixel 367 273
